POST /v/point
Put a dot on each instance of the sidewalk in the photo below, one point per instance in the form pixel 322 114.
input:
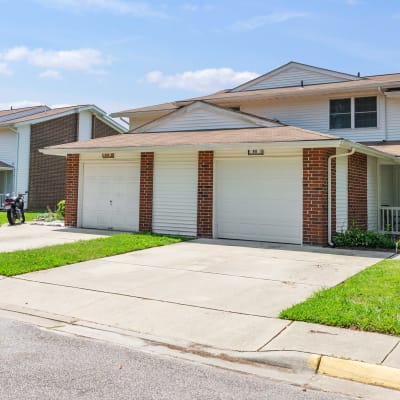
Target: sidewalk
pixel 288 344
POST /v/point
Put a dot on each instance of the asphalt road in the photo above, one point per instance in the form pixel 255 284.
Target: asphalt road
pixel 38 364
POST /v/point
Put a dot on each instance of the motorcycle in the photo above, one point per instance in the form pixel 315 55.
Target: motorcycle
pixel 14 205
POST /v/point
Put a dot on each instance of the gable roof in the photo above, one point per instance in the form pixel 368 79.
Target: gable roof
pixel 54 113
pixel 7 115
pixel 140 141
pixel 292 74
pixel 201 115
pixel 234 96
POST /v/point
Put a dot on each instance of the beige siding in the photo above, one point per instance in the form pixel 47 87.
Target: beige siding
pixel 313 114
pixel 341 192
pixel 372 194
pixel 198 119
pixel 292 76
pixel 393 118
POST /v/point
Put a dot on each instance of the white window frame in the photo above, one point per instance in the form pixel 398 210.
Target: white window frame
pixel 353 113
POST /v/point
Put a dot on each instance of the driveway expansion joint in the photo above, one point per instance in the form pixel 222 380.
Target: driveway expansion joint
pixel 285 282
pixel 390 352
pixel 275 336
pixel 144 298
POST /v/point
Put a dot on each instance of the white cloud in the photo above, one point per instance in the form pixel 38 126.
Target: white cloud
pixel 88 60
pixel 262 20
pixel 51 73
pixel 19 104
pixel 121 7
pixel 5 70
pixel 203 80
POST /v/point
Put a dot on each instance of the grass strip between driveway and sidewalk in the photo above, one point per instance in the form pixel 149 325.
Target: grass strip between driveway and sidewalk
pixel 22 261
pixel 369 301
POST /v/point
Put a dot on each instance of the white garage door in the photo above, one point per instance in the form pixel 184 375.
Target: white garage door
pixel 110 196
pixel 175 194
pixel 259 199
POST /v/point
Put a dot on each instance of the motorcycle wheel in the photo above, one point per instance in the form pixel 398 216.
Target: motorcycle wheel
pixel 11 217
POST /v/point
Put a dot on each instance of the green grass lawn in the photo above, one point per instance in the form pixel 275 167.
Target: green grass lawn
pixel 20 262
pixel 367 301
pixel 29 216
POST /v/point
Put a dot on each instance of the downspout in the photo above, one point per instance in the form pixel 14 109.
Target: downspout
pixel 330 158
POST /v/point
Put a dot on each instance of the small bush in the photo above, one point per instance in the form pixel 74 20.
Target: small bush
pixel 60 209
pixel 356 237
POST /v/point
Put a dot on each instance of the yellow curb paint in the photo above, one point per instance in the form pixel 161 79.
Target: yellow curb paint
pixel 313 361
pixel 371 374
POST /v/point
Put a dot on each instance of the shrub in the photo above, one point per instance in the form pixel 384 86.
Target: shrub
pixel 60 209
pixel 356 237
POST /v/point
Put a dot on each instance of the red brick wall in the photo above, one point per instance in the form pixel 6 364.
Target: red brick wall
pixel 100 129
pixel 146 192
pixel 47 173
pixel 71 190
pixel 315 195
pixel 205 194
pixel 357 196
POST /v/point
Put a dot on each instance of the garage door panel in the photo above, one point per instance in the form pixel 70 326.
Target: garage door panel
pixel 111 196
pixel 259 199
pixel 175 194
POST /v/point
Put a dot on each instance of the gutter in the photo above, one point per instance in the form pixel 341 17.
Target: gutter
pixel 209 146
pixel 351 152
pixel 16 169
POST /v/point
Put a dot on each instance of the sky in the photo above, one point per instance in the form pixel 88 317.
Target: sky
pixel 121 54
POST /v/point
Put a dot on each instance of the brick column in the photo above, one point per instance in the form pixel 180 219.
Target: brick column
pixel 146 192
pixel 205 194
pixel 315 195
pixel 71 190
pixel 357 192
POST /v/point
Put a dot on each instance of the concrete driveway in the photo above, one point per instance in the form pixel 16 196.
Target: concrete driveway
pixel 221 293
pixel 29 236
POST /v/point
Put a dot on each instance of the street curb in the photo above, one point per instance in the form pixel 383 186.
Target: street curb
pixel 295 360
pixel 372 374
pixel 357 371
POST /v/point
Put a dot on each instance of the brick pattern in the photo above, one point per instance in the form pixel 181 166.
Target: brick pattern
pixel 100 129
pixel 205 194
pixel 47 173
pixel 315 195
pixel 146 192
pixel 71 190
pixel 357 196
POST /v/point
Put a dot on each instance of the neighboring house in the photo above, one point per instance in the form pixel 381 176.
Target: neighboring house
pixel 292 157
pixel 24 131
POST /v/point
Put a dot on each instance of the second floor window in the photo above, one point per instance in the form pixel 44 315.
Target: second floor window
pixel 358 112
pixel 365 114
pixel 340 114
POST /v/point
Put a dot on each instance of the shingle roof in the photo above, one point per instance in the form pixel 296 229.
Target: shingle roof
pixel 367 82
pixel 5 165
pixel 17 110
pixel 157 107
pixel 392 148
pixel 53 112
pixel 187 138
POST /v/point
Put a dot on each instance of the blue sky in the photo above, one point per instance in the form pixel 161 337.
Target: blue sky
pixel 120 54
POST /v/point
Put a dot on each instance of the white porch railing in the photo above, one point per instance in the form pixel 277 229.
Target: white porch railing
pixel 389 220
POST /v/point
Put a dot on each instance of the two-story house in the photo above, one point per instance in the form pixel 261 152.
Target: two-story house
pixel 23 131
pixel 291 156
